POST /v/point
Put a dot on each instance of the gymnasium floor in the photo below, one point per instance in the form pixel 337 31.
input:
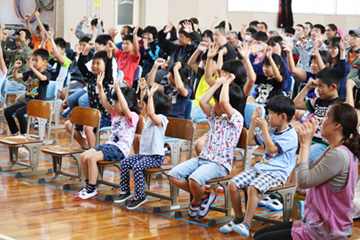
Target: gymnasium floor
pixel 30 210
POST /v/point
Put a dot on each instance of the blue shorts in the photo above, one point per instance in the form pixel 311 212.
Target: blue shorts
pixel 104 122
pixel 111 152
pixel 198 169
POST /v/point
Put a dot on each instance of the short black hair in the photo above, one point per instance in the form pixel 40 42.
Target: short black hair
pixel 194 20
pixel 325 56
pixel 208 33
pixel 253 23
pixel 335 42
pixel 261 36
pixel 103 39
pixel 329 76
pixel 251 30
pixel 181 31
pixel 152 30
pixel 186 20
pixel 162 102
pixel 311 25
pixel 222 24
pixel 300 25
pixel 27 33
pixel 101 55
pixel 43 53
pixel 221 29
pixel 236 96
pixel 129 38
pixel 60 42
pixel 277 39
pixel 85 39
pixel 184 72
pixel 266 26
pixel 237 68
pixel 290 30
pixel 278 61
pixel 45 26
pixel 94 22
pixel 281 104
pixel 321 27
pixel 332 26
pixel 130 97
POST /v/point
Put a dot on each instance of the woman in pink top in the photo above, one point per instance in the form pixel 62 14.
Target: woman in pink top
pixel 331 180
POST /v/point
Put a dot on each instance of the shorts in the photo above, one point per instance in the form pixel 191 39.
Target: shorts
pixel 261 181
pixel 198 169
pixel 111 152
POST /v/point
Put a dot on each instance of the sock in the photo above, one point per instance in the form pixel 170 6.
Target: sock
pixel 86 182
pixel 205 197
pixel 246 225
pixel 238 220
pixel 91 188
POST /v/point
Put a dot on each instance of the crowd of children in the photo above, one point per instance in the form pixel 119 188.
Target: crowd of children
pixel 221 70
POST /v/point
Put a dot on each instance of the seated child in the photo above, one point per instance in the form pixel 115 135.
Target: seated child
pixel 36 81
pixel 215 159
pixel 124 119
pixel 281 142
pixel 37 38
pixel 156 104
pixel 177 89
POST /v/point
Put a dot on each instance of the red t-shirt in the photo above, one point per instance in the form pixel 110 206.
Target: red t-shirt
pixel 128 64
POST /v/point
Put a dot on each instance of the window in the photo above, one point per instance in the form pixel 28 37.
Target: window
pixel 125 12
pixel 343 7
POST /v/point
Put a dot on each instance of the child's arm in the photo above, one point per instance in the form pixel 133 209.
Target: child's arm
pixel 99 29
pixel 143 87
pixel 224 96
pixel 2 61
pixel 113 32
pixel 212 51
pixel 275 69
pixel 151 78
pixel 251 132
pixel 288 47
pixel 16 74
pixel 28 26
pixel 136 43
pixel 244 52
pixel 213 21
pixel 220 60
pixel 269 144
pixel 299 99
pixel 41 26
pixel 179 84
pixel 43 40
pixel 26 51
pixel 204 100
pixel 319 60
pixel 38 74
pixel 81 62
pixel 55 51
pixel 122 101
pixel 69 35
pixel 192 61
pixel 102 94
pixel 150 107
pixel 78 31
pixel 350 84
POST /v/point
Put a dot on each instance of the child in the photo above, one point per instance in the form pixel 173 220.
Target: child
pixel 128 60
pixel 101 62
pixel 281 144
pixel 124 119
pixel 22 53
pixel 177 88
pixel 271 82
pixel 259 46
pixel 215 160
pixel 327 82
pixel 96 26
pixel 36 37
pixel 36 81
pixel 156 105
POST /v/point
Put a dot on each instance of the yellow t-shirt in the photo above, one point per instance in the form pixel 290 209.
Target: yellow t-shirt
pixel 202 88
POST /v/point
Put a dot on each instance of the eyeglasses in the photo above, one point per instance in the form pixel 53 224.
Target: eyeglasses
pixel 331 48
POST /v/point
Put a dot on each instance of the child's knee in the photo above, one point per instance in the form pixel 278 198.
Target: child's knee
pixel 88 130
pixel 252 190
pixel 232 187
pixel 68 125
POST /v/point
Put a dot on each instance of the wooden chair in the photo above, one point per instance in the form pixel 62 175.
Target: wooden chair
pixel 242 143
pixel 82 116
pixel 103 164
pixel 38 109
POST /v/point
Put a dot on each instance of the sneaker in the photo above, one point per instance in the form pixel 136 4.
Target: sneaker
pixel 205 205
pixel 241 229
pixel 85 195
pixel 267 200
pixel 135 203
pixel 122 197
pixel 36 125
pixel 220 189
pixel 81 190
pixel 66 112
pixel 227 228
pixel 275 205
pixel 193 210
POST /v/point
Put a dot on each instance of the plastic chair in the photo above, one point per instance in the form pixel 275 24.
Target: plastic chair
pixel 137 76
pixel 249 108
pixel 3 93
pixel 189 111
pixel 290 83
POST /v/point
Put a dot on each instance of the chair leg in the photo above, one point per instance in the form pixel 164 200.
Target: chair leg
pixel 288 198
pixel 80 175
pixel 59 174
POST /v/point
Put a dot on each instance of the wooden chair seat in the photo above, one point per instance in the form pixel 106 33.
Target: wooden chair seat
pixel 217 180
pixel 13 141
pixel 62 150
pixel 164 168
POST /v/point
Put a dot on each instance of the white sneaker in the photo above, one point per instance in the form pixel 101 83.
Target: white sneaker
pixel 84 195
pixel 227 228
pixel 275 205
pixel 193 210
pixel 205 205
pixel 263 203
pixel 240 228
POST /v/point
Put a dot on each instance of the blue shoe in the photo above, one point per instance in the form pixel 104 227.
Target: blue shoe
pixel 227 228
pixel 205 205
pixel 241 229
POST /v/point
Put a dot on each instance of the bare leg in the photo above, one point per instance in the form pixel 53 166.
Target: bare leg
pixel 197 191
pixel 136 143
pixel 93 168
pixel 183 184
pixel 292 177
pixel 84 158
pixel 90 136
pixel 235 199
pixel 252 203
pixel 199 144
pixel 77 135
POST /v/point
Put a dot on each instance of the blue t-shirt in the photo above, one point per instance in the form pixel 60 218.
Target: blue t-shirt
pixel 283 162
pixel 179 102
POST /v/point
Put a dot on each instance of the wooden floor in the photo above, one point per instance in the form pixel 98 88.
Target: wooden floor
pixel 30 210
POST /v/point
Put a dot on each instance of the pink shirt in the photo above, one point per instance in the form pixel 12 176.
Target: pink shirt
pixel 128 64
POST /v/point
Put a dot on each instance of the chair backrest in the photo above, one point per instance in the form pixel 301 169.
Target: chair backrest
pixel 51 91
pixel 249 108
pixel 39 109
pixel 243 143
pixel 121 75
pixel 138 73
pixel 4 87
pixel 180 128
pixel 189 109
pixel 88 117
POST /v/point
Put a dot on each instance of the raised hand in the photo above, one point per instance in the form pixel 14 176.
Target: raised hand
pixel 288 46
pixel 100 78
pixel 187 27
pixel 71 31
pixel 311 84
pixel 212 51
pixel 269 51
pixel 22 36
pixel 50 34
pixel 350 84
pixel 203 46
pixel 27 17
pixel 37 14
pixel 307 131
pixel 18 64
pixel 169 27
pixel 299 32
pixel 159 61
pixel 116 84
pixel 90 45
pixel 113 32
pixel 136 28
pixel 30 63
pixel 153 89
pixel 177 66
pixel 244 50
pixel 84 18
pixel 77 49
pixel 215 18
pixel 261 123
pixel 343 44
pixel 143 84
pixel 256 113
